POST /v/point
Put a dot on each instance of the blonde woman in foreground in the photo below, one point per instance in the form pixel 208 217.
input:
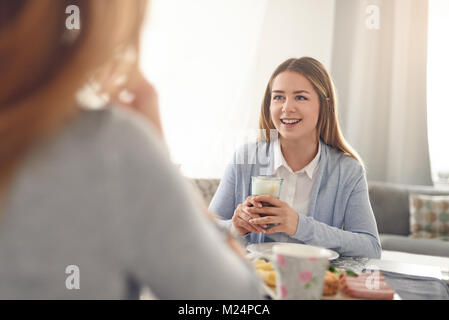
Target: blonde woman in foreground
pixel 93 193
pixel 324 196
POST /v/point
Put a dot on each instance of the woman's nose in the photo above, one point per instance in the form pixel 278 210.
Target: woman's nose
pixel 288 106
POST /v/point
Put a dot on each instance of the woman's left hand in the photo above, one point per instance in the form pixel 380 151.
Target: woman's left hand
pixel 281 213
pixel 143 97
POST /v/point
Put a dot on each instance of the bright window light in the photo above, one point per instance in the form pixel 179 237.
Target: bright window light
pixel 437 90
pixel 198 54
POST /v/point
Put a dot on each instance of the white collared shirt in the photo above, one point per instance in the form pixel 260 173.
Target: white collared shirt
pixel 296 186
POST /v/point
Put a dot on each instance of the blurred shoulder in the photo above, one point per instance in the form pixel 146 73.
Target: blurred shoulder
pixel 113 126
pixel 107 141
pixel 112 132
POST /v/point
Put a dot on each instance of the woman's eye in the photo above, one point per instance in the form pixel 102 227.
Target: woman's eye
pixel 300 98
pixel 278 97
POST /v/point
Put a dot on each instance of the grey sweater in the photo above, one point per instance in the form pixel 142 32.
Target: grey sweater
pixel 102 196
pixel 339 216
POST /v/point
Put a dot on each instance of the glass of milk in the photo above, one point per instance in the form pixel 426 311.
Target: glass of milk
pixel 265 185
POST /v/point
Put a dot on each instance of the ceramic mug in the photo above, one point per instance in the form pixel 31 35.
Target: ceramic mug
pixel 300 271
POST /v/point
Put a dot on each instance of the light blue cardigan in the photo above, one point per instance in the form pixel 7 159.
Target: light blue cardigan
pixel 340 216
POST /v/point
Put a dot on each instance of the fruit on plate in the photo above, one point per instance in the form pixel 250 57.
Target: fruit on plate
pixel 331 283
pixel 266 272
pixel 264 265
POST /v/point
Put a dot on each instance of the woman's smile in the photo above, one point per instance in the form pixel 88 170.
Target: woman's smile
pixel 290 122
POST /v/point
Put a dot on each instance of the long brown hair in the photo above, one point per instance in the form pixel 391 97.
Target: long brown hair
pixel 43 64
pixel 327 128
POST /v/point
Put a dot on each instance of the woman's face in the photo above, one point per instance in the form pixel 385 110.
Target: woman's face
pixel 294 107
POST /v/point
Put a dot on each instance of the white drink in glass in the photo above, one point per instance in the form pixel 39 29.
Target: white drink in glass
pixel 265 185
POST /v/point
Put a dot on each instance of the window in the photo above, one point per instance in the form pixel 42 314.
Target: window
pixel 210 62
pixel 198 54
pixel 437 90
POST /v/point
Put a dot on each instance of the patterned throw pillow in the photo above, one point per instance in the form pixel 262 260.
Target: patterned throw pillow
pixel 429 216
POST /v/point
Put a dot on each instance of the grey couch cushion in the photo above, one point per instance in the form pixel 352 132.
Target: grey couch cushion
pixel 391 205
pixel 433 247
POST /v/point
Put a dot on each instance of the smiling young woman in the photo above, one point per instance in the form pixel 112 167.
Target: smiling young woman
pixel 324 196
pixel 315 77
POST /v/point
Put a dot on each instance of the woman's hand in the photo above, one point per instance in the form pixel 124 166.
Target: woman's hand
pixel 124 82
pixel 241 217
pixel 281 214
pixel 137 94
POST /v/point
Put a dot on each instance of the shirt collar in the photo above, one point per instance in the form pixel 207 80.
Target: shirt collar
pixel 279 160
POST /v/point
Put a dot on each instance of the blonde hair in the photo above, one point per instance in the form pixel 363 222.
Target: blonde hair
pixel 43 64
pixel 328 128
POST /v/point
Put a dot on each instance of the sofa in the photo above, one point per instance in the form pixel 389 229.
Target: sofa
pixel 390 203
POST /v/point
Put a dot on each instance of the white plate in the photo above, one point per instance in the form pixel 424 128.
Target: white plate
pixel 265 249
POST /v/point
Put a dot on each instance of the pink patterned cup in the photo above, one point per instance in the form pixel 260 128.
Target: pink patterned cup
pixel 300 271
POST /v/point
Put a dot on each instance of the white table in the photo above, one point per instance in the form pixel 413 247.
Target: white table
pixel 413 264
